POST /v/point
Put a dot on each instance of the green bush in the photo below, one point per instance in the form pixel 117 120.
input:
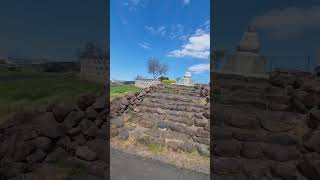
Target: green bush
pixel 168 81
pixel 163 78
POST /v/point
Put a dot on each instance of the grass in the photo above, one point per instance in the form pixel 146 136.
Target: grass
pixel 41 89
pixel 155 148
pixel 121 90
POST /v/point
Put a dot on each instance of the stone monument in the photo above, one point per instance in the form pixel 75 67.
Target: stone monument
pixel 187 79
pixel 247 61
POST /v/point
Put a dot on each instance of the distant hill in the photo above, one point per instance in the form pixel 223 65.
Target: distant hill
pixel 19 61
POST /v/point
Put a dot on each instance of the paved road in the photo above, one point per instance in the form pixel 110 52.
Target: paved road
pixel 125 166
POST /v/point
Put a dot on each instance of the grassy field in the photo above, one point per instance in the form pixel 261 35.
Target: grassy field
pixel 121 90
pixel 25 91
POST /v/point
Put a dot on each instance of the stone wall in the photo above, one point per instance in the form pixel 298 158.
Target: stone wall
pixel 144 83
pixel 266 128
pixel 176 117
pixel 93 69
pixel 130 101
pixel 79 133
pixel 204 91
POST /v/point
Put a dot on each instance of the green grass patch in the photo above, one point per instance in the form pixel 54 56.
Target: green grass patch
pixel 155 148
pixel 195 153
pixel 121 90
pixel 41 89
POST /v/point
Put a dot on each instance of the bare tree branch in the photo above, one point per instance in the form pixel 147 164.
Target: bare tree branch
pixel 156 68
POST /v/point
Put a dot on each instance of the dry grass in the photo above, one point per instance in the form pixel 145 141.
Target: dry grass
pixel 180 159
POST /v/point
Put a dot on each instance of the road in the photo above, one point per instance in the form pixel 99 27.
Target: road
pixel 124 166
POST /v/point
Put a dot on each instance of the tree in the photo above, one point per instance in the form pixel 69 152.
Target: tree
pixel 156 68
pixel 139 77
pixel 161 78
pixel 91 50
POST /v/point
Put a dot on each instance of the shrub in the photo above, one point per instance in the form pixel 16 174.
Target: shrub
pixel 163 78
pixel 168 81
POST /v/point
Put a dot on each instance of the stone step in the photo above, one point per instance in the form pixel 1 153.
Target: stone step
pixel 176 131
pixel 186 118
pixel 174 106
pixel 235 100
pixel 174 115
pixel 180 87
pixel 180 92
pixel 254 99
pixel 175 97
pixel 174 140
pixel 151 117
pixel 199 104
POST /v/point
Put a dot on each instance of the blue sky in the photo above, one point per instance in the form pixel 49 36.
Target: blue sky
pixel 286 28
pixel 176 32
pixel 51 29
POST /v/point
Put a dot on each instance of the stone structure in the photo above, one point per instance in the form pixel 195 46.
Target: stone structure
pixel 171 116
pixel 130 101
pixel 144 83
pixel 186 81
pixel 31 144
pixel 266 128
pixel 93 69
pixel 247 61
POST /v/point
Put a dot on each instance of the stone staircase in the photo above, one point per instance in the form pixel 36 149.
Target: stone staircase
pixel 175 117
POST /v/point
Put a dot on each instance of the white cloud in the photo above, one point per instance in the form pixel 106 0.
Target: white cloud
pixel 185 2
pixel 288 21
pixel 198 46
pixel 199 68
pixel 176 31
pixel 134 4
pixel 206 25
pixel 156 31
pixel 144 45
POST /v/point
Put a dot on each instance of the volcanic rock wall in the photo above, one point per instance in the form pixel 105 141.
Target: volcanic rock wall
pixel 130 101
pixel 170 116
pixel 266 128
pixel 32 140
